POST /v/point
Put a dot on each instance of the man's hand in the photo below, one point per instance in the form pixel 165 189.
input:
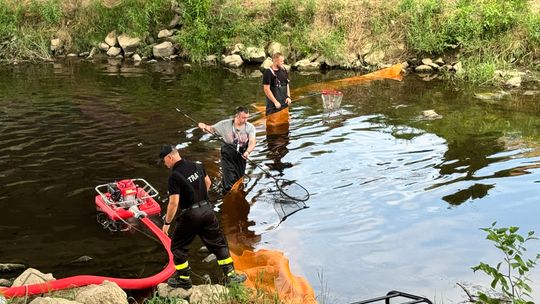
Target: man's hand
pixel 278 105
pixel 165 229
pixel 288 101
pixel 245 155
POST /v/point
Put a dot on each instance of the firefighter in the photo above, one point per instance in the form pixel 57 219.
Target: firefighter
pixel 188 197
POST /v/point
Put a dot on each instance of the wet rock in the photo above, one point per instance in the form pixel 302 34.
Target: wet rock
pixel 187 65
pixel 513 82
pixel 56 45
pixel 111 39
pixel 5 283
pixel 490 95
pixel 32 276
pixel 236 49
pixel 165 291
pixel 106 293
pixel 431 114
pixel 81 259
pixel 72 55
pixel 48 300
pixel 114 51
pixel 254 54
pixel 232 61
pixel 9 267
pixel 374 58
pixel 152 61
pixel 165 33
pixel 104 46
pixel 210 258
pixel 275 47
pixel 207 293
pixel 423 69
pixel 212 59
pixel 305 65
pixel 137 57
pixel 163 50
pixel 128 44
pixel 427 61
pixel 255 74
pixel 430 77
pixel 439 61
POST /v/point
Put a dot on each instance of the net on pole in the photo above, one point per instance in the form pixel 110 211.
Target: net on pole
pixel 331 99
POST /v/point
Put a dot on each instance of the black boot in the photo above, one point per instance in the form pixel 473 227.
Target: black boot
pixel 232 276
pixel 180 279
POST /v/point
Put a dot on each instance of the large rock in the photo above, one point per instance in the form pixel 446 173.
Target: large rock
pixel 267 63
pixel 208 293
pixel 48 300
pixel 306 65
pixel 32 276
pixel 374 58
pixel 211 59
pixel 232 61
pixel 106 293
pixel 276 47
pixel 236 49
pixel 165 33
pixel 104 46
pixel 254 54
pixel 128 44
pixel 56 45
pixel 423 69
pixel 111 39
pixel 163 50
pixel 114 51
pixel 513 82
pixel 9 267
pixel 165 291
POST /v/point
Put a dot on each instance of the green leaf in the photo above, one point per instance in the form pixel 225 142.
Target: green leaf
pixel 513 229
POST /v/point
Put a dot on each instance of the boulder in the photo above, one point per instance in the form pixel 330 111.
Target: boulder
pixel 32 276
pixel 165 33
pixel 165 291
pixel 208 293
pixel 423 69
pixel 513 82
pixel 10 267
pixel 111 39
pixel 128 44
pixel 137 58
pixel 236 49
pixel 275 47
pixel 114 51
pixel 104 46
pixel 427 61
pixel 232 61
pixel 267 63
pixel 106 293
pixel 458 67
pixel 431 114
pixel 254 54
pixel 374 58
pixel 56 45
pixel 163 50
pixel 48 300
pixel 212 59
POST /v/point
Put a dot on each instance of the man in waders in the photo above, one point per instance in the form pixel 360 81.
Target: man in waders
pixel 188 189
pixel 238 137
pixel 276 85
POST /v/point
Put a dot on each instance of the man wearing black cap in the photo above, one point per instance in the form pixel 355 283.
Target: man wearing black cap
pixel 188 188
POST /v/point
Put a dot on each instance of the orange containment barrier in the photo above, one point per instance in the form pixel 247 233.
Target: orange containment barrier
pixel 393 72
pixel 269 270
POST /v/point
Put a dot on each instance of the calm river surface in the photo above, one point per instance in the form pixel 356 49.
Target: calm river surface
pixel 396 200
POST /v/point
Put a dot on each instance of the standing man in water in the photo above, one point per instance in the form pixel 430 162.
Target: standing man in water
pixel 276 85
pixel 238 142
pixel 188 189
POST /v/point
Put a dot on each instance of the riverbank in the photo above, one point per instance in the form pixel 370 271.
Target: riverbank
pixel 487 38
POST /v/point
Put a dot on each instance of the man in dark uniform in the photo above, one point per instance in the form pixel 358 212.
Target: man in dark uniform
pixel 188 189
pixel 276 85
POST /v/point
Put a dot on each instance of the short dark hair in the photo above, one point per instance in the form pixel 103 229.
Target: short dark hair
pixel 241 109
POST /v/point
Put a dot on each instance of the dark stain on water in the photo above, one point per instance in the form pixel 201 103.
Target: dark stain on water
pixel 396 199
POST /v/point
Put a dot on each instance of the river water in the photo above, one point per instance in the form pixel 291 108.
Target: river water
pixel 396 203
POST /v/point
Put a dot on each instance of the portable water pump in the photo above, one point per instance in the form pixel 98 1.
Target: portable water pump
pixel 119 201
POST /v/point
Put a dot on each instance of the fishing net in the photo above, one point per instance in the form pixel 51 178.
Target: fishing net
pixel 331 99
pixel 292 190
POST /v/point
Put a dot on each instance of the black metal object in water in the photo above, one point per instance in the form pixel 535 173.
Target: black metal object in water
pixel 394 294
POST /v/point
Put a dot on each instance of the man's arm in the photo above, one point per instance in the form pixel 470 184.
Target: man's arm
pixel 172 207
pixel 207 128
pixel 288 100
pixel 251 146
pixel 208 182
pixel 271 96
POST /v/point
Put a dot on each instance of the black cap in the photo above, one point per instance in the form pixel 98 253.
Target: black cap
pixel 165 150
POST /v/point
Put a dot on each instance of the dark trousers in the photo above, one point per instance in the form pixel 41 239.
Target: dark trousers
pixel 202 222
pixel 233 166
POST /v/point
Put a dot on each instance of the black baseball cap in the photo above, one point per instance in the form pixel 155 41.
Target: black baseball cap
pixel 165 150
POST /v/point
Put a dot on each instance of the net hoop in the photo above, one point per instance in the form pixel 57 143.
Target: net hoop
pixel 301 193
pixel 331 99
